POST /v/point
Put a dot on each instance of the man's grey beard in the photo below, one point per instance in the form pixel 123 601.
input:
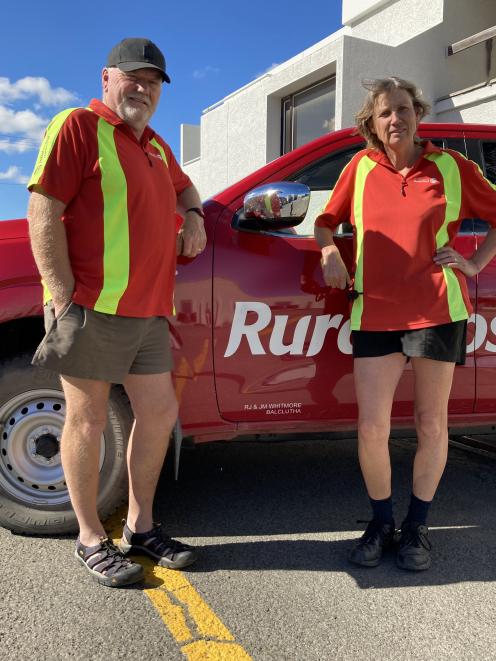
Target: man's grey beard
pixel 131 114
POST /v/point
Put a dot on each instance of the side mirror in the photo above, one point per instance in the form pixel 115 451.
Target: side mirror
pixel 277 205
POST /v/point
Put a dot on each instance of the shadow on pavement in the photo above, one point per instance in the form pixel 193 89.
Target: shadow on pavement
pixel 266 489
pixel 331 556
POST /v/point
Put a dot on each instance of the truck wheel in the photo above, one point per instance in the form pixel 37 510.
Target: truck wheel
pixel 33 493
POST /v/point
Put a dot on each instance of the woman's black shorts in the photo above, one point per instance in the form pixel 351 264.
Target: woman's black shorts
pixel 447 342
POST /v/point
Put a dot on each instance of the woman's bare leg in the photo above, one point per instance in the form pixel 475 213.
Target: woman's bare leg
pixel 376 380
pixel 433 379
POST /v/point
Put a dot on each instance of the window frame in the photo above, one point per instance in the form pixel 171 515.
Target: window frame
pixel 290 100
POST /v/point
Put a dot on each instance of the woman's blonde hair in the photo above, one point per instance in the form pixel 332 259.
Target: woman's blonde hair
pixel 376 88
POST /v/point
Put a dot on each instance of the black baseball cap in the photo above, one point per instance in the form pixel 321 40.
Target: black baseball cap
pixel 137 53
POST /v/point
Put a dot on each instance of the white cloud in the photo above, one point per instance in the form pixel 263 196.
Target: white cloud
pixel 21 130
pixel 22 122
pixel 204 72
pixel 18 146
pixel 27 126
pixel 13 174
pixel 37 87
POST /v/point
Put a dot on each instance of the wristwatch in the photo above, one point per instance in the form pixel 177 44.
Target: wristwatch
pixel 197 210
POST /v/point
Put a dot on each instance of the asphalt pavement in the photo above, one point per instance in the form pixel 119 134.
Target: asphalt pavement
pixel 274 522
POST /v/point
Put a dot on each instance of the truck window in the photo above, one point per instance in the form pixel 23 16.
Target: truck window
pixel 484 154
pixel 489 160
pixel 321 177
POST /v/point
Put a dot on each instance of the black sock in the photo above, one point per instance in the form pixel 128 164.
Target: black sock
pixel 418 510
pixel 382 510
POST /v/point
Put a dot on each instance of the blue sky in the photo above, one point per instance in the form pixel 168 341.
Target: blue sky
pixel 52 52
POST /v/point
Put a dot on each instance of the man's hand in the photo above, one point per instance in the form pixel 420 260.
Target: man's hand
pixel 333 268
pixel 447 256
pixel 192 234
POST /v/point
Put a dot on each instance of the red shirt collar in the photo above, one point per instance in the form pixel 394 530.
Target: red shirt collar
pixel 379 156
pixel 109 116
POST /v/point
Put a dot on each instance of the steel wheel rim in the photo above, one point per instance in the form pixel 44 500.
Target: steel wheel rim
pixel 31 420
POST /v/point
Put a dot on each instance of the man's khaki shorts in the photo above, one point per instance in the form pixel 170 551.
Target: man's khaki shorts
pixel 93 345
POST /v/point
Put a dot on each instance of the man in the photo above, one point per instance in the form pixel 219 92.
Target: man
pixel 108 273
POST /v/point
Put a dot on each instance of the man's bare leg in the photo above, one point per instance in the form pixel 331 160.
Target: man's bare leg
pixel 155 410
pixel 85 421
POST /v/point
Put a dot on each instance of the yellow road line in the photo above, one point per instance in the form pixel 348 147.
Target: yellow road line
pixel 198 631
pixel 207 650
pixel 172 615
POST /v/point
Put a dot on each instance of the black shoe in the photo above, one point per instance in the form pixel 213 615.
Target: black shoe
pixel 107 565
pixel 414 547
pixel 167 552
pixel 369 548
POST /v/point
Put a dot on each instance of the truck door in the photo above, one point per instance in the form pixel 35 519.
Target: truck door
pixel 483 344
pixel 282 347
pixel 282 340
pixel 462 398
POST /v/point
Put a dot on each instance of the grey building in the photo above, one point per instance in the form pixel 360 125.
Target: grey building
pixel 445 46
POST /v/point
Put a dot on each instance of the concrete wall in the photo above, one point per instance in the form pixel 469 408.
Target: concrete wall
pixel 190 142
pixel 356 10
pixel 393 23
pixel 243 131
pixel 408 38
pixel 194 171
pixel 477 106
pixel 462 19
pixel 423 60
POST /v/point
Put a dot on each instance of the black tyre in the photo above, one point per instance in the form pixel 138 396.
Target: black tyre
pixel 33 493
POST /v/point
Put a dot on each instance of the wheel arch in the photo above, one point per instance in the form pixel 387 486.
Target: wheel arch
pixel 19 336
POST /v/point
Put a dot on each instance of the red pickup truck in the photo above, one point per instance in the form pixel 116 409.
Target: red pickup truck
pixel 261 345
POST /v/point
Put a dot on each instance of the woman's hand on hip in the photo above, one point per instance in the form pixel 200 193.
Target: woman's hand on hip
pixel 447 256
pixel 334 269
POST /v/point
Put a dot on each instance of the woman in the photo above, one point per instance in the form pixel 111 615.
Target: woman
pixel 406 200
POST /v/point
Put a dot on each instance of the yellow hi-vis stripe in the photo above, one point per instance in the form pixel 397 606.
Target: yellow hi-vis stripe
pixel 158 146
pixel 364 168
pixel 49 139
pixel 450 173
pixel 115 222
pixel 51 133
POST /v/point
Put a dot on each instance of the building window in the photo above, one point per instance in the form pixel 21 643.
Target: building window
pixel 308 114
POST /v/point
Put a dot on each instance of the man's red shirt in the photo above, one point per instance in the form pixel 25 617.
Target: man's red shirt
pixel 145 195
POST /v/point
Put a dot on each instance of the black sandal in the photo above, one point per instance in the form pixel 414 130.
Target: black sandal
pixel 107 565
pixel 167 552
